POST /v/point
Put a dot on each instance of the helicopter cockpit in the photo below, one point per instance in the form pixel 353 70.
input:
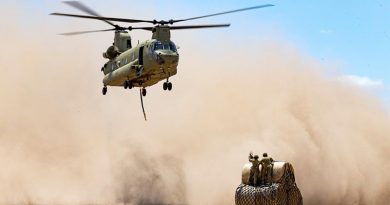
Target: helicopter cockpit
pixel 158 45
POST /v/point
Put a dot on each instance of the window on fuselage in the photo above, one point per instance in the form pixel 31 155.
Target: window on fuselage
pixel 172 47
pixel 164 46
pixel 128 43
pixel 158 46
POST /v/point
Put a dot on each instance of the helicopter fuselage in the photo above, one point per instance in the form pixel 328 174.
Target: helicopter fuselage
pixel 143 65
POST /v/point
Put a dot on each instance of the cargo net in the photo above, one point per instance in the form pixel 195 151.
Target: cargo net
pixel 282 192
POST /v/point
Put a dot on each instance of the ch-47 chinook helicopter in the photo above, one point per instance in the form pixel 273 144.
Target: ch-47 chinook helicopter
pixel 150 61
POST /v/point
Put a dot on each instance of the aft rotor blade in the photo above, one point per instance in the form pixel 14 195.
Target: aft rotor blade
pixel 84 32
pixel 199 26
pixel 102 18
pixel 225 12
pixel 80 6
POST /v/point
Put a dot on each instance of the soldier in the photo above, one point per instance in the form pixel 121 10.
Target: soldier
pixel 254 173
pixel 266 169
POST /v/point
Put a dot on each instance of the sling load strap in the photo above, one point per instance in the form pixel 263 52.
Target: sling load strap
pixel 142 103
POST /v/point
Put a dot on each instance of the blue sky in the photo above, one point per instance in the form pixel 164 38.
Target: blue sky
pixel 355 34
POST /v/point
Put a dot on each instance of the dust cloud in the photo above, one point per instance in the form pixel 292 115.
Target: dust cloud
pixel 62 142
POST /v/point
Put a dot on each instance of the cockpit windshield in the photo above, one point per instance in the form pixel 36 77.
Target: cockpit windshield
pixel 164 46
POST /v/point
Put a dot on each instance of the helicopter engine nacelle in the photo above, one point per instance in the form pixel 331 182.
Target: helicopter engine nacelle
pixel 111 53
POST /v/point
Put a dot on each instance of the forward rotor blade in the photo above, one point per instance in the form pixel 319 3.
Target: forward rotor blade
pixel 226 12
pixel 147 28
pixel 103 18
pixel 199 26
pixel 84 32
pixel 78 5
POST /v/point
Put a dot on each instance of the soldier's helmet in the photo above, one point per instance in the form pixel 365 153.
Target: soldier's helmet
pixel 256 157
pixel 265 155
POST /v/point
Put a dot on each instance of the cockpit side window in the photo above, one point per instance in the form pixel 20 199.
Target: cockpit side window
pixel 172 47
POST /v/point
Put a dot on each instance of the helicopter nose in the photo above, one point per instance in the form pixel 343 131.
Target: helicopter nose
pixel 168 58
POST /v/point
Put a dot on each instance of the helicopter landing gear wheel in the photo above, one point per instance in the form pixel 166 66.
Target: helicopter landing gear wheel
pixel 143 92
pixel 104 90
pixel 128 84
pixel 165 86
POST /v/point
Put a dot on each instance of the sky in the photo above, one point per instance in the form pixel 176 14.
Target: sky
pixel 352 35
pixel 259 85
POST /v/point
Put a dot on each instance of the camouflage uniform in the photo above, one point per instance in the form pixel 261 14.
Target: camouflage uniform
pixel 254 173
pixel 266 170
